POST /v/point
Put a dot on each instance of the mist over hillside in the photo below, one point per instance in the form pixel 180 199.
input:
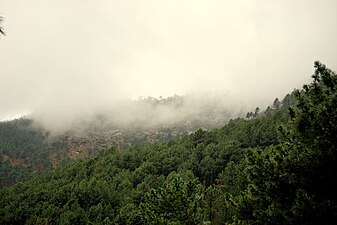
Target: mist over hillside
pixel 168 112
pixel 194 111
pixel 39 142
pixel 51 138
pixel 69 58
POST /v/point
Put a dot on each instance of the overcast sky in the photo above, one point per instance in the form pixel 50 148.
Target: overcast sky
pixel 79 54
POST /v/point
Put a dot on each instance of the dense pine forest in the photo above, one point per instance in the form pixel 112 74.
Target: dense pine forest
pixel 276 166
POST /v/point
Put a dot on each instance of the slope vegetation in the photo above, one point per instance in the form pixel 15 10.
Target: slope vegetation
pixel 277 167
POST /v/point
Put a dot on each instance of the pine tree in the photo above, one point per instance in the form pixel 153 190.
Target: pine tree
pixel 1 28
pixel 294 182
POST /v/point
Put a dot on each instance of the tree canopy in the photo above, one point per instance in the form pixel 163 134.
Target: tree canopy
pixel 278 167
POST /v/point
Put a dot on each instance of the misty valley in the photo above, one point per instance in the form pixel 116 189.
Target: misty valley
pixel 177 160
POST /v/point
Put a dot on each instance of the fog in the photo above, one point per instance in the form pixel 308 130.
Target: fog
pixel 191 112
pixel 62 60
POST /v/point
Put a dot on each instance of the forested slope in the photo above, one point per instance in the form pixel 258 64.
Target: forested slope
pixel 274 167
pixel 29 145
pixel 24 149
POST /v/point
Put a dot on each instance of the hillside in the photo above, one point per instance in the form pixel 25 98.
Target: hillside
pixel 116 182
pixel 28 144
pixel 277 167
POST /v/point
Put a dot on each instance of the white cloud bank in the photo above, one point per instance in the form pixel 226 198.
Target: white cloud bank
pixel 69 57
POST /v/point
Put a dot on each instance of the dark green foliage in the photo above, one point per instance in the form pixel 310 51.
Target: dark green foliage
pixel 24 148
pixel 275 167
pixel 110 188
pixel 294 182
pixel 176 202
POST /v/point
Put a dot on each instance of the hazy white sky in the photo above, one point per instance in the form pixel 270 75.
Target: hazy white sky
pixel 75 55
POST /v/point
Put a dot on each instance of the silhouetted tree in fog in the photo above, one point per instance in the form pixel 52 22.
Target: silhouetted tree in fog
pixel 1 28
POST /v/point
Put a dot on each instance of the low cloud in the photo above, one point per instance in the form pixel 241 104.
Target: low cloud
pixel 62 59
